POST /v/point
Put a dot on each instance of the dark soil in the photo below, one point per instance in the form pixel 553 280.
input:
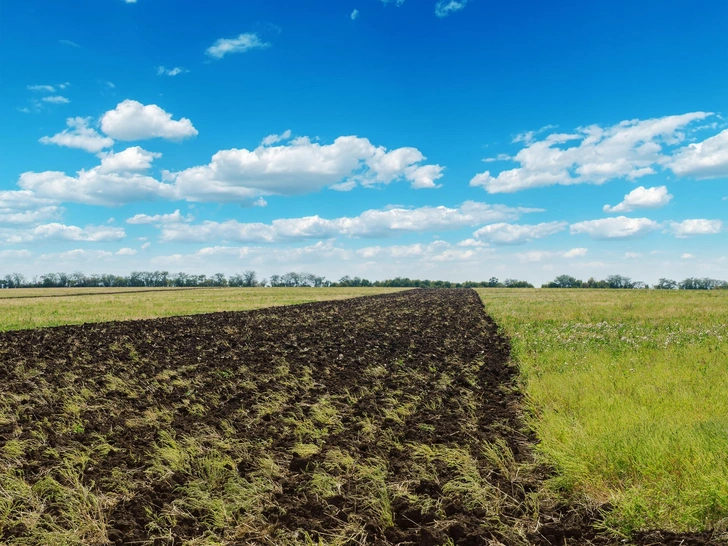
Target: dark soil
pixel 376 381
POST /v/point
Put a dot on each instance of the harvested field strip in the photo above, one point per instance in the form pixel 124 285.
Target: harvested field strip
pixel 18 312
pixel 74 293
pixel 384 420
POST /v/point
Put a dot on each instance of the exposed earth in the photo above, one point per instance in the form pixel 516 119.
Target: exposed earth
pixel 378 420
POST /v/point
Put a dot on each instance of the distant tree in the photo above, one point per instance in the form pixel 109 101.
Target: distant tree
pixel 666 284
pixel 564 281
pixel 514 283
pixel 250 278
pixel 618 281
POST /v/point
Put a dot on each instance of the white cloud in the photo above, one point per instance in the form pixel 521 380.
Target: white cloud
pixel 687 256
pixel 125 252
pixel 15 254
pixel 631 149
pixel 632 255
pixel 619 227
pixel 302 166
pixel 472 242
pixel 164 71
pixel 173 218
pixel 290 258
pixel 68 43
pixel 707 159
pixel 42 88
pixel 575 253
pixel 395 2
pixel 354 15
pixel 131 120
pixel 443 8
pixel 514 234
pixel 371 223
pixel 133 159
pixel 437 251
pixel 57 231
pixel 102 185
pixel 499 157
pixel 78 255
pixel 241 44
pixel 642 198
pixel 23 207
pixel 274 139
pixel 56 99
pixel 79 135
pixel 146 246
pixel 697 226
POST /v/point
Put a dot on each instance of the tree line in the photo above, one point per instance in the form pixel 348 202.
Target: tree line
pixel 249 278
pixel 621 282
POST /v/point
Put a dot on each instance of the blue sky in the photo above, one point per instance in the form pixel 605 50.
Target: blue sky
pixel 455 139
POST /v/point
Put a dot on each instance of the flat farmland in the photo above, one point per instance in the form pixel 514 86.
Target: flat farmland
pixel 419 417
pixel 627 392
pixel 40 307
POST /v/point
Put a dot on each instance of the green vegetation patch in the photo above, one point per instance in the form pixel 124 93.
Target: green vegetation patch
pixel 628 392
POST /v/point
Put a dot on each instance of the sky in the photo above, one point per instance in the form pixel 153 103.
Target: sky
pixel 440 139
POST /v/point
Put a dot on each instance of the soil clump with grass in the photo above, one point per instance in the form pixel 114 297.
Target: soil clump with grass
pixel 384 420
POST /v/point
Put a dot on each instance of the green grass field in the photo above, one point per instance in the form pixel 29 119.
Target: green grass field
pixel 34 308
pixel 628 392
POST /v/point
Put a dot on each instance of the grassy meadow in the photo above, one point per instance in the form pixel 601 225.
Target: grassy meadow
pixel 628 394
pixel 21 309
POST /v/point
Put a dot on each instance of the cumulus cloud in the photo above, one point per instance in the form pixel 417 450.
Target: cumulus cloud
pixel 125 252
pixel 619 227
pixel 503 233
pixel 642 198
pixel 301 166
pixel 177 70
pixel 117 180
pixel 437 251
pixel 77 255
pixel 706 159
pixel 133 159
pixel 443 8
pixel 696 226
pixel 354 15
pixel 15 254
pixel 241 44
pixel 173 218
pixel 631 149
pixel 575 253
pixel 62 232
pixel 541 255
pixel 79 135
pixel 292 258
pixel 371 223
pixel 24 207
pixel 42 88
pixel 56 99
pixel 274 139
pixel 132 120
pixel 687 256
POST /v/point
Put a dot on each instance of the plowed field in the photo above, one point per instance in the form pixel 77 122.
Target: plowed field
pixel 380 420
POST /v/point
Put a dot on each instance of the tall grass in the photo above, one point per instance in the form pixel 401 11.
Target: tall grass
pixel 628 392
pixel 33 308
